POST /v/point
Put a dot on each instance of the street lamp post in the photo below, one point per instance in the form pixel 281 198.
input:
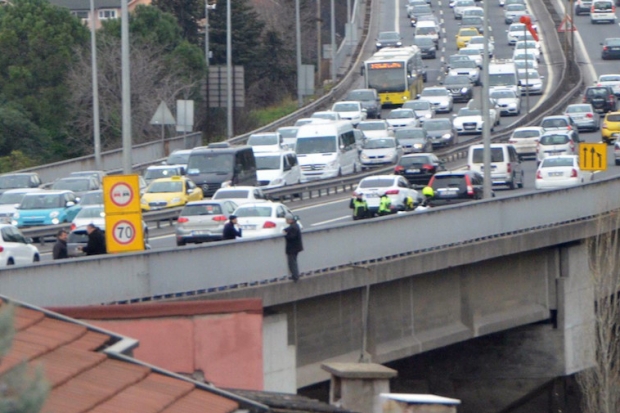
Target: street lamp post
pixel 333 51
pixel 300 98
pixel 126 88
pixel 93 62
pixel 486 126
pixel 229 91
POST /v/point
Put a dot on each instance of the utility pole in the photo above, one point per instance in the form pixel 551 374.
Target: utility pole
pixel 333 26
pixel 319 45
pixel 94 70
pixel 486 130
pixel 229 91
pixel 126 89
pixel 300 98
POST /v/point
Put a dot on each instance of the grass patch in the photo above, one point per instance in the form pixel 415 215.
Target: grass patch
pixel 267 115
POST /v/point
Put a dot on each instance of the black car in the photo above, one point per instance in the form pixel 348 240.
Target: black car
pixel 473 21
pixel 452 187
pixel 427 46
pixel 440 131
pixel 389 39
pixel 413 140
pixel 611 48
pixel 419 168
pixel 460 87
pixel 602 98
pixel 369 99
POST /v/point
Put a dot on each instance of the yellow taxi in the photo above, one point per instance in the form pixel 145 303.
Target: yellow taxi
pixel 169 193
pixel 611 126
pixel 464 36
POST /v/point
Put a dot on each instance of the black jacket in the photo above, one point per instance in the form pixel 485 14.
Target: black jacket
pixel 60 250
pixel 96 243
pixel 230 232
pixel 293 239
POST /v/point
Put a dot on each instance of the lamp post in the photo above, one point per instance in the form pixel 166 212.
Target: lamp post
pixel 319 46
pixel 229 91
pixel 300 98
pixel 93 63
pixel 333 52
pixel 486 127
pixel 126 88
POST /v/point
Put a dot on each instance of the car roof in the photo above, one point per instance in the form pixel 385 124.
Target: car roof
pixel 262 203
pixel 154 167
pixel 170 179
pixel 232 188
pixel 209 202
pixel 52 192
pixel 24 190
pixel 370 178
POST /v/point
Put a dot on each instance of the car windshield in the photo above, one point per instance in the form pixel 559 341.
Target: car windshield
pixel 469 112
pixel 415 160
pixel 288 132
pixel 423 41
pixel 346 107
pixel 379 144
pixel 372 126
pixel 317 144
pixel 361 95
pixel 554 140
pixel 599 92
pixel 464 3
pixel 439 124
pixel 210 163
pixel 14 181
pixel 525 45
pixel 201 209
pixel 426 30
pixel 263 140
pixel 515 7
pixel 448 181
pixel 530 74
pixel 264 163
pixel 503 94
pixel 151 174
pixel 555 162
pixel 165 187
pixel 417 105
pixel 96 212
pixel 554 123
pixel 42 201
pixel 527 133
pixel 324 115
pixel 401 114
pixel 578 108
pixel 178 158
pixel 474 12
pixel 612 118
pixel 232 194
pixel 92 198
pixel 472 21
pixel 376 183
pixel 73 184
pixel 422 9
pixel 389 36
pixel 456 80
pixel 519 27
pixel 254 211
pixel 435 92
pixel 8 198
pixel 468 32
pixel 609 78
pixel 469 52
pixel 410 133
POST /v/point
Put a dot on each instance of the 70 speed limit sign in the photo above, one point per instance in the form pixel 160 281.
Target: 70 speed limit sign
pixel 124 233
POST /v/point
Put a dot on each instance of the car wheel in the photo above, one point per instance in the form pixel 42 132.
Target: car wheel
pixel 180 243
pixel 36 258
pixel 339 172
pixel 512 185
pixel 520 184
pixel 354 168
pixel 617 162
pixel 10 262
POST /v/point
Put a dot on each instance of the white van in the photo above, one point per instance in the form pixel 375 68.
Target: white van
pixel 326 150
pixel 603 11
pixel 504 76
pixel 276 169
pixel 505 164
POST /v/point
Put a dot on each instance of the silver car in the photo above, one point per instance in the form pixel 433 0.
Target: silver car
pixel 380 151
pixel 584 116
pixel 508 102
pixel 423 109
pixel 402 118
pixel 440 97
pixel 203 221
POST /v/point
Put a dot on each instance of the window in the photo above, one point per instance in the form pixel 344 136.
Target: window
pixel 80 14
pixel 107 14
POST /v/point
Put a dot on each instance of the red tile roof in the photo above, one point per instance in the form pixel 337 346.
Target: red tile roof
pixel 86 375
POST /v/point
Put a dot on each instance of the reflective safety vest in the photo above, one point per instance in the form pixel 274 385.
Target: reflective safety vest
pixel 359 206
pixel 384 204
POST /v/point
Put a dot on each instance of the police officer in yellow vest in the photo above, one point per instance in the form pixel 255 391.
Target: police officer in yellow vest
pixel 359 207
pixel 385 205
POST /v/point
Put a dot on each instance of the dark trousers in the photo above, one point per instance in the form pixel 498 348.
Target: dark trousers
pixel 292 265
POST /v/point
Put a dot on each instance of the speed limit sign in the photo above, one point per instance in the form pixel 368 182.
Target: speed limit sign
pixel 124 233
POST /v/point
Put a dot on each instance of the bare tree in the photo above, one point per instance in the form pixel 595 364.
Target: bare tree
pixel 601 384
pixel 153 79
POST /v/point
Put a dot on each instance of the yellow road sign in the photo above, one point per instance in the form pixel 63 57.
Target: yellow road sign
pixel 121 194
pixel 124 233
pixel 593 156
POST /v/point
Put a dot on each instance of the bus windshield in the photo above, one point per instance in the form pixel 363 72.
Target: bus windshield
pixel 318 144
pixel 387 80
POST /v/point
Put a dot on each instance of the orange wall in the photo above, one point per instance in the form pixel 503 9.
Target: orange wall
pixel 227 348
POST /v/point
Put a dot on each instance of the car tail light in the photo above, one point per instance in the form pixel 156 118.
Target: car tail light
pixel 572 146
pixel 604 125
pixel 584 100
pixel 538 175
pixel 219 218
pixel 181 220
pixel 512 141
pixel 269 224
pixel 592 9
pixel 73 226
pixel 613 8
pixel 569 127
pixel 509 168
pixel 428 166
pixel 392 192
pixel 589 115
pixel 573 173
pixel 1 248
pixel 611 98
pixel 398 168
pixel 604 48
pixel 470 188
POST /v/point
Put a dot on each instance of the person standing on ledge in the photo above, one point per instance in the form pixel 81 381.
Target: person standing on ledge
pixel 294 246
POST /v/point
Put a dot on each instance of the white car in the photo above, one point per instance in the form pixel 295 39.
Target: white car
pixel 560 172
pixel 325 114
pixel 514 30
pixel 459 5
pixel 402 118
pixel 440 97
pixel 473 53
pixel 375 128
pixel 561 142
pixel 531 81
pixel 266 142
pixel 380 151
pixel 350 110
pixel 508 102
pixel 466 67
pixel 423 109
pixel 493 109
pixel 262 219
pixel 529 56
pixel 525 140
pixel 473 11
pixel 513 12
pixel 10 200
pixel 478 43
pixel 468 121
pixel 277 169
pixel 90 214
pixel 15 249
pixel 529 45
pixel 612 80
pixel 240 194
pixel 395 187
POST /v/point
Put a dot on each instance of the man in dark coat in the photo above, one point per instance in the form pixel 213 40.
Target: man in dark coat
pixel 60 248
pixel 96 241
pixel 293 245
pixel 230 229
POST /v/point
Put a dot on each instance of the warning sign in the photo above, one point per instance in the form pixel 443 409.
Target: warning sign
pixel 121 194
pixel 124 233
pixel 567 25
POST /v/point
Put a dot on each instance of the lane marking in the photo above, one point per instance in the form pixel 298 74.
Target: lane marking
pixel 319 205
pixel 329 221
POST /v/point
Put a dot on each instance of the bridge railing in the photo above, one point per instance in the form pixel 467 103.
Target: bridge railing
pixel 196 269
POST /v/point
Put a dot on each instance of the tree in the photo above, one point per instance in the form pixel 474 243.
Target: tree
pixel 600 384
pixel 188 13
pixel 21 390
pixel 37 41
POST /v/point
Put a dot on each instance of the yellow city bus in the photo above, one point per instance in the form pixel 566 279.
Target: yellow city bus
pixel 396 73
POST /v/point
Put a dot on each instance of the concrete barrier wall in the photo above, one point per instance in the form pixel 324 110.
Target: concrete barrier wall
pixel 151 273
